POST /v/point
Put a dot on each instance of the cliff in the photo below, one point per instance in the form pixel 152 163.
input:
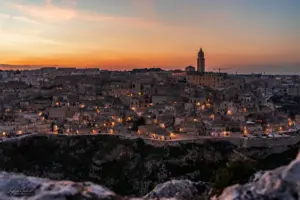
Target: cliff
pixel 128 167
pixel 134 168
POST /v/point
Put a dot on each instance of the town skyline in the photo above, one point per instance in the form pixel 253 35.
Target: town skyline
pixel 245 36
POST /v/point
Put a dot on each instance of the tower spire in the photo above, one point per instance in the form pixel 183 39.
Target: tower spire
pixel 201 61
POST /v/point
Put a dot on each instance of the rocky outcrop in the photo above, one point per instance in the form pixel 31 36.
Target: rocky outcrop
pixel 14 186
pixel 20 187
pixel 281 183
pixel 180 189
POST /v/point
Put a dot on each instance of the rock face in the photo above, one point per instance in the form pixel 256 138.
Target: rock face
pixel 20 187
pixel 180 189
pixel 281 183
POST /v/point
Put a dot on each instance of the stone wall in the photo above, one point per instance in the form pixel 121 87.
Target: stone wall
pixel 238 141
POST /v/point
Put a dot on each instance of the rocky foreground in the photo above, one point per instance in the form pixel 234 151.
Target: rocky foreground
pixel 17 187
pixel 281 183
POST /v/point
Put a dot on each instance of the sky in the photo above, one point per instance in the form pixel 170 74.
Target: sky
pixel 244 35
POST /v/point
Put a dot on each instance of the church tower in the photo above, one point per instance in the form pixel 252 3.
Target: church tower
pixel 201 62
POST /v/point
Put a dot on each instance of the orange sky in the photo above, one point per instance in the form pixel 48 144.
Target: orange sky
pixel 115 35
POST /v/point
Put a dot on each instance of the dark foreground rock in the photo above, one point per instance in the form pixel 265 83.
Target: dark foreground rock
pixel 20 187
pixel 180 189
pixel 281 183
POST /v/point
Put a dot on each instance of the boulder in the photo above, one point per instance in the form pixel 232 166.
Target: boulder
pixel 179 189
pixel 281 183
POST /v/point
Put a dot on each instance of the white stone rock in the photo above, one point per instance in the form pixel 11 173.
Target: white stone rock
pixel 281 183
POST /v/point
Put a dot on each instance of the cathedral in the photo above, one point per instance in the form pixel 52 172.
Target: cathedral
pixel 201 62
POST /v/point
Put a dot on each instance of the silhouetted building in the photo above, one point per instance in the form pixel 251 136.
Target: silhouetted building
pixel 201 62
pixel 190 69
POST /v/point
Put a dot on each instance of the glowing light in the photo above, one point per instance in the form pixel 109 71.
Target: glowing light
pixel 163 125
pixel 245 110
pixel 113 123
pixel 94 132
pixel 181 130
pixel 229 112
pixel 40 113
pixel 57 103
pixel 111 131
pixel 245 131
pixel 120 120
pixel 19 132
pixel 172 135
pixel 55 128
pixel 133 108
pixel 226 134
pixel 129 118
pixel 140 93
pixel 198 104
pixel 267 131
pixel 81 105
pixel 4 134
pixel 195 120
pixel 203 107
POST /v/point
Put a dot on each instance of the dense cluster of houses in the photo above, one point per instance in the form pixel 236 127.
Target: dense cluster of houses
pixel 156 104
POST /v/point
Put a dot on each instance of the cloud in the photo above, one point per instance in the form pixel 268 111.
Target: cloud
pixel 47 12
pixel 19 18
pixel 51 12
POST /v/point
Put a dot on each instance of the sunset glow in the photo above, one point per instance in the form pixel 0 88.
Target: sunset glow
pixel 113 34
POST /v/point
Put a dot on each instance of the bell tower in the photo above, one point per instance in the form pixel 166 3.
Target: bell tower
pixel 201 62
